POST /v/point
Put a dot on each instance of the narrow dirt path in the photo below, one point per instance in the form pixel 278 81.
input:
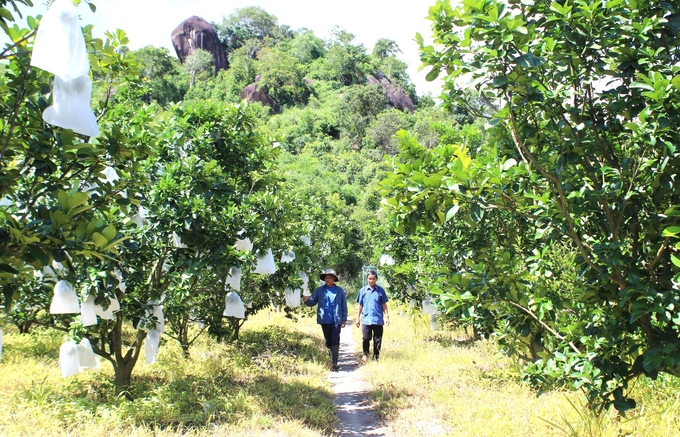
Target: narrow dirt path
pixel 356 416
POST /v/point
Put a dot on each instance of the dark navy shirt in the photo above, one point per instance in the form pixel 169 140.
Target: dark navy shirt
pixel 372 301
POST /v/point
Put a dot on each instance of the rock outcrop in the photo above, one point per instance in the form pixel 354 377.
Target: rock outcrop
pixel 251 93
pixel 196 33
pixel 396 95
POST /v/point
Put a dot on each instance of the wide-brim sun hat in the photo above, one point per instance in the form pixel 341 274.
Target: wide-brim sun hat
pixel 323 274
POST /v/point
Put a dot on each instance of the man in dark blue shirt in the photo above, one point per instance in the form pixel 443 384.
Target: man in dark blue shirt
pixel 331 312
pixel 372 301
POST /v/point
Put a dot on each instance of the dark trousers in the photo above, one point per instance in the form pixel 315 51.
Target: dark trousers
pixel 331 333
pixel 374 332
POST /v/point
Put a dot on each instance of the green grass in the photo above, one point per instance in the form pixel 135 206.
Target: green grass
pixel 273 383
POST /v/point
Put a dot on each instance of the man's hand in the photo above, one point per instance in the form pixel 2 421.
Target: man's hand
pixel 387 321
pixel 358 322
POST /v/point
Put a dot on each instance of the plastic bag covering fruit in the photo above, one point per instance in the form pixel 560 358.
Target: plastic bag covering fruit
pixel 69 362
pixel 86 356
pixel 305 239
pixel 177 241
pixel 88 313
pixel 244 244
pixel 107 314
pixel 155 311
pixel 427 307
pixel 153 341
pixel 305 283
pixel 433 323
pixel 140 218
pixel 59 45
pixel 65 300
pixel 71 106
pixel 292 297
pixel 234 278
pixel 287 256
pixel 158 314
pixel 386 260
pixel 265 263
pixel 121 283
pixel 234 306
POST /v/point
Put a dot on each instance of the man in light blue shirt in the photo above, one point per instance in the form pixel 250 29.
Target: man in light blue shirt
pixel 372 301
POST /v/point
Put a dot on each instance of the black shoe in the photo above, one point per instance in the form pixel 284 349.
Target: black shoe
pixel 335 368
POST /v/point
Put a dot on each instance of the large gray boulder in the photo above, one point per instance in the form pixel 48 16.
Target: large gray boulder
pixel 196 33
pixel 396 95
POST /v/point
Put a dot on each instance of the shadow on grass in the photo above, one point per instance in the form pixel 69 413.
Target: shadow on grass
pixel 447 339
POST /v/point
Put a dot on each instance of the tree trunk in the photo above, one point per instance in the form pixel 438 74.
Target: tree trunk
pixel 183 336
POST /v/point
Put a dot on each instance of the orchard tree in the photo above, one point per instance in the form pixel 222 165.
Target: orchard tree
pixel 583 155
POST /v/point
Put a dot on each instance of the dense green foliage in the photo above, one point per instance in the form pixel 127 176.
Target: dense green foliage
pixel 561 234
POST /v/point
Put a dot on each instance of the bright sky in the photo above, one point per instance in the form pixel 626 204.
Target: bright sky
pixel 150 22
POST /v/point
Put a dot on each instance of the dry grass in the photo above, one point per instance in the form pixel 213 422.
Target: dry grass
pixel 272 382
pixel 437 384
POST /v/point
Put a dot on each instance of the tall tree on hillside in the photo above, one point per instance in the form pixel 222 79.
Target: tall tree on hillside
pixel 251 22
pixel 198 65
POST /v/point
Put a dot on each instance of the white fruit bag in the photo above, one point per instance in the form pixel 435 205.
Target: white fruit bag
pixel 305 283
pixel 88 312
pixel 433 323
pixel 65 300
pixel 69 362
pixel 86 356
pixel 234 306
pixel 265 263
pixel 158 313
pixel 287 256
pixel 427 307
pixel 107 314
pixel 71 106
pixel 292 297
pixel 234 278
pixel 59 46
pixel 243 244
pixel 152 344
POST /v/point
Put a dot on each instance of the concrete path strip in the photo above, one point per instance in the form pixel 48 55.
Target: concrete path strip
pixel 354 409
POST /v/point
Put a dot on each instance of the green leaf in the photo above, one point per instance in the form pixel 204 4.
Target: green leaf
pixel 38 254
pixel 76 199
pixel 671 231
pixel 530 61
pixel 6 268
pixel 452 212
pixel 675 260
pixel 433 74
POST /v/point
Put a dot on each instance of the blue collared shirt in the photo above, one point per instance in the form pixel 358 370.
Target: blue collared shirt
pixel 372 301
pixel 335 296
